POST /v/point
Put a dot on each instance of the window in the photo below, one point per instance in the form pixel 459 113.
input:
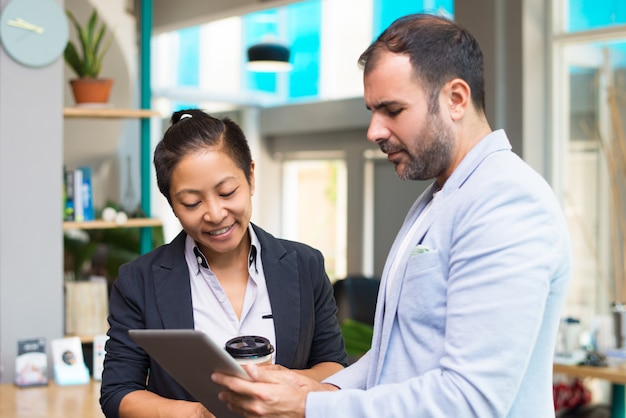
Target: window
pixel 583 15
pixel 590 110
pixel 205 64
pixel 315 208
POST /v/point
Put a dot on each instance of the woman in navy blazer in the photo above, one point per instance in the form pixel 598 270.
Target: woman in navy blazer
pixel 204 169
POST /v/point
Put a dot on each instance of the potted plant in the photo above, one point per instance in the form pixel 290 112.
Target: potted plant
pixel 88 87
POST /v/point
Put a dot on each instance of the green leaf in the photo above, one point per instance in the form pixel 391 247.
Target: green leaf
pixel 81 252
pixel 72 58
pixel 89 63
pixel 357 336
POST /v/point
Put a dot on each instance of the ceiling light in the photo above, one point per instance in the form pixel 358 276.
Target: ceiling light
pixel 268 57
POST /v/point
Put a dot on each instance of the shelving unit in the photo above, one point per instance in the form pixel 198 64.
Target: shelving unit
pixel 110 113
pixel 144 142
pixel 105 112
pixel 144 224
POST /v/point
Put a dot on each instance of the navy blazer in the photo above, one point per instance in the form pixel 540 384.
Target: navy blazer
pixel 154 292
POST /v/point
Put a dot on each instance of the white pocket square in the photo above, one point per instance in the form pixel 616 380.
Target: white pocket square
pixel 419 249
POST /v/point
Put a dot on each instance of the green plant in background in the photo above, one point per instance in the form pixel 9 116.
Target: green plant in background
pixel 357 337
pixel 78 249
pixel 101 252
pixel 89 64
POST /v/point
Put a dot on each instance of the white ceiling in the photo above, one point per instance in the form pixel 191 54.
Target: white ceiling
pixel 170 15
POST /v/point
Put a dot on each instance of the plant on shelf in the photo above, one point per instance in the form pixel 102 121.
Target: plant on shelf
pixel 100 252
pixel 88 63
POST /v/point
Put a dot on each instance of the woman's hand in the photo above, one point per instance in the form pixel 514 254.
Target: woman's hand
pixel 142 403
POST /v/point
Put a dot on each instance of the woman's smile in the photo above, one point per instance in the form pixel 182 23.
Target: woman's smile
pixel 221 231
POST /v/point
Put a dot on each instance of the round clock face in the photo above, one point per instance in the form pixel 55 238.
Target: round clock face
pixel 34 32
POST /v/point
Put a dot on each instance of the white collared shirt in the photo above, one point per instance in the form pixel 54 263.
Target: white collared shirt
pixel 212 312
pixel 407 240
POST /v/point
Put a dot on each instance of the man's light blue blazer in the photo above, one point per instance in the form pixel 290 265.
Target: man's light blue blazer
pixel 468 326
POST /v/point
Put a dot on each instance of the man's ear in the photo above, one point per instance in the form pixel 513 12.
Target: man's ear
pixel 458 98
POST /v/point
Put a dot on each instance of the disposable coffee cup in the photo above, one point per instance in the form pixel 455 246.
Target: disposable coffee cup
pixel 250 349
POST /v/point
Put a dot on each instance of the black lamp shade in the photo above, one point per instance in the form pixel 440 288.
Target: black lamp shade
pixel 268 52
pixel 269 57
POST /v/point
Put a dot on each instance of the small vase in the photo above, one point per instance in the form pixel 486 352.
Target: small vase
pixel 91 90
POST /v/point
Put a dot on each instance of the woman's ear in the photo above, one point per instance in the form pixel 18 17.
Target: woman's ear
pixel 458 97
pixel 252 178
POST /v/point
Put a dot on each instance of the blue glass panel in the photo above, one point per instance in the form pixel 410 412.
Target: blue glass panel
pixel 594 14
pixel 189 56
pixel 263 82
pixel 386 11
pixel 303 28
pixel 300 24
pixel 181 105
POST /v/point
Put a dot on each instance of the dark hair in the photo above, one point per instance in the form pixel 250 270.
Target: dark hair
pixel 439 50
pixel 193 130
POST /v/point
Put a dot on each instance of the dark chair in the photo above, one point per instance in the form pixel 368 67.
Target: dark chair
pixel 356 298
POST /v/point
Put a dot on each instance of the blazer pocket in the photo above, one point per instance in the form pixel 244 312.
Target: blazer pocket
pixel 422 261
pixel 423 288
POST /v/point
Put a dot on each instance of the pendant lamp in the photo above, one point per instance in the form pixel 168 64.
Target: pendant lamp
pixel 268 57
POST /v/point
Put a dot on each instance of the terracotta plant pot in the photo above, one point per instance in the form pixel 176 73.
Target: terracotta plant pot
pixel 91 90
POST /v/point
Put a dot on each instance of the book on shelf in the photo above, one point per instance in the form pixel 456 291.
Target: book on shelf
pixel 68 182
pixel 87 194
pixel 79 214
pixel 31 363
pixel 78 194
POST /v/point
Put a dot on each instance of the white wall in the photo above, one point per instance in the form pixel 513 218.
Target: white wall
pixel 32 137
pixel 31 257
pixel 171 15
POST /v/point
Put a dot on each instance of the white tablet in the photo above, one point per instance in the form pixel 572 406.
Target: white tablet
pixel 190 357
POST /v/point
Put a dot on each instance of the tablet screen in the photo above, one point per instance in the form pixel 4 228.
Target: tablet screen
pixel 190 357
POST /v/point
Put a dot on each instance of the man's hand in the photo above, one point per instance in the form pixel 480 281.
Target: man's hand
pixel 274 392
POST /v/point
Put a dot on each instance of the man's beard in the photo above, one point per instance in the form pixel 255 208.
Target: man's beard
pixel 431 155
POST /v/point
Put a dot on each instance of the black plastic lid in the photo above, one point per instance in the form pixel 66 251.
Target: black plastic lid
pixel 249 346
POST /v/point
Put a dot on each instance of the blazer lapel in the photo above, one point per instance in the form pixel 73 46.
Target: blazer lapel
pixel 283 287
pixel 388 295
pixel 172 288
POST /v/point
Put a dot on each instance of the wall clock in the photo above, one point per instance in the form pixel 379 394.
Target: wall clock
pixel 34 32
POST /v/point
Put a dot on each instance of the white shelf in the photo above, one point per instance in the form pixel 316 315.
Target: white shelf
pixel 107 112
pixel 100 224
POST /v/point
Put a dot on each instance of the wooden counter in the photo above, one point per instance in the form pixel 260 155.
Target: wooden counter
pixel 612 374
pixel 615 375
pixel 51 401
